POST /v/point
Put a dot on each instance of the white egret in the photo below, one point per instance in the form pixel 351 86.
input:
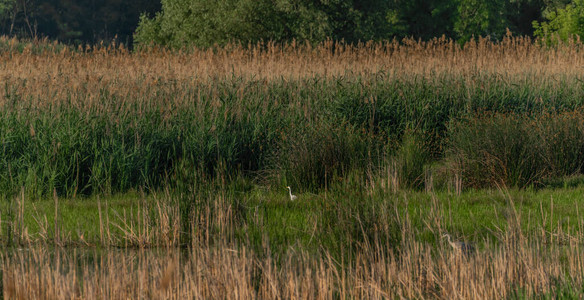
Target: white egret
pixel 292 197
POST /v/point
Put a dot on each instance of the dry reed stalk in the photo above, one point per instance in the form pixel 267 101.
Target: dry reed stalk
pixel 135 229
pixel 222 272
pixel 86 74
pixel 141 231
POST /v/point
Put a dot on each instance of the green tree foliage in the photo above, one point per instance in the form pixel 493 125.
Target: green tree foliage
pixel 6 7
pixel 519 14
pixel 478 17
pixel 6 10
pixel 422 19
pixel 462 19
pixel 562 23
pixel 205 23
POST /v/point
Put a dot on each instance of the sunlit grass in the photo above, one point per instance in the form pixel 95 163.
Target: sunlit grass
pixel 259 216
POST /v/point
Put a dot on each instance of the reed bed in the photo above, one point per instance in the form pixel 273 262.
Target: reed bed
pixel 63 66
pixel 358 241
pixel 149 222
pixel 101 120
pixel 348 126
pixel 513 265
pixel 510 149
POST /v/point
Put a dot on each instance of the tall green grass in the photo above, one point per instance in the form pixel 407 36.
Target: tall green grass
pixel 302 132
pixel 518 149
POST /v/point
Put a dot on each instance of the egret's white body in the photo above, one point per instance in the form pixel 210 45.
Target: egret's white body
pixel 292 197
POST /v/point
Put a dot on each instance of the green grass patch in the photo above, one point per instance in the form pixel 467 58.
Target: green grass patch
pixel 338 221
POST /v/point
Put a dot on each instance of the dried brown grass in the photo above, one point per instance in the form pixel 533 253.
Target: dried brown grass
pixel 87 73
pixel 512 262
pixel 420 271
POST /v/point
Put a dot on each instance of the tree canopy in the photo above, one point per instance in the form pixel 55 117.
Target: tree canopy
pixel 564 23
pixel 203 23
pixel 79 21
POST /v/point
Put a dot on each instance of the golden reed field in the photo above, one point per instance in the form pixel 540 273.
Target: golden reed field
pixel 87 70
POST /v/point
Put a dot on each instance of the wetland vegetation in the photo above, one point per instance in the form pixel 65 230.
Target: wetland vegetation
pixel 387 146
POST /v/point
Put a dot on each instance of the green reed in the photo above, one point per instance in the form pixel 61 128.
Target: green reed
pixel 304 132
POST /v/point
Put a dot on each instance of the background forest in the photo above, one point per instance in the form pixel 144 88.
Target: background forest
pixel 178 23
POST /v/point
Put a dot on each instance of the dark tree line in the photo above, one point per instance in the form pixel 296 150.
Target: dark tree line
pixel 178 23
pixel 74 21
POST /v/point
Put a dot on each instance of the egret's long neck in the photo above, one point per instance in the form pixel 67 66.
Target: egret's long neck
pixel 451 243
pixel 290 191
pixel 448 239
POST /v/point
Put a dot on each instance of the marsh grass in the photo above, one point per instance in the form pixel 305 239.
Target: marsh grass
pixel 72 122
pixel 131 220
pixel 357 240
pixel 343 220
pixel 516 149
pixel 509 263
pixel 383 143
